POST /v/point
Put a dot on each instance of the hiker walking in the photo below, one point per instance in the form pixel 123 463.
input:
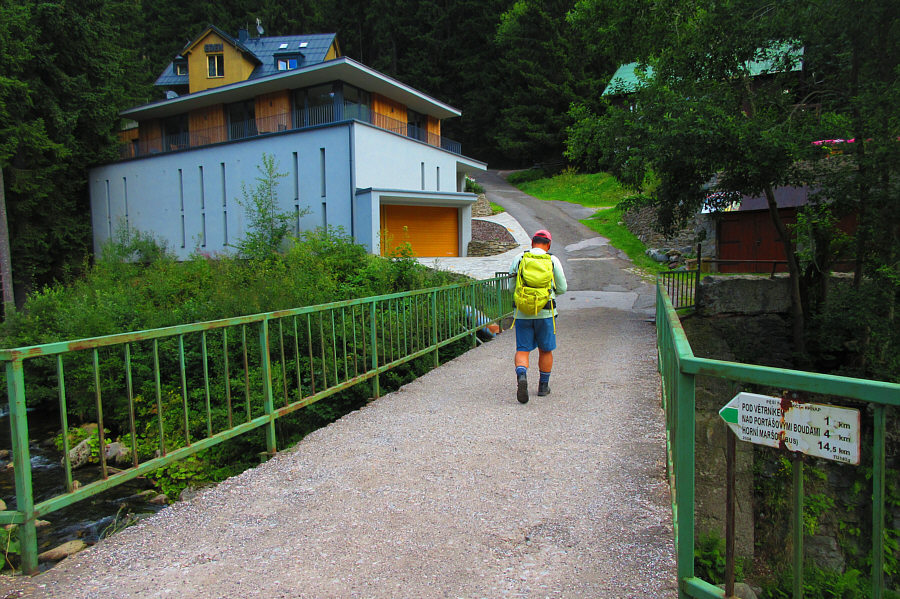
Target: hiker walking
pixel 539 279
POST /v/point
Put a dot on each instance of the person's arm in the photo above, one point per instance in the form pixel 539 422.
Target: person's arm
pixel 514 267
pixel 559 277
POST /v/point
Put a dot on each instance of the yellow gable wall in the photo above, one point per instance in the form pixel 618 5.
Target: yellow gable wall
pixel 237 67
pixel 333 51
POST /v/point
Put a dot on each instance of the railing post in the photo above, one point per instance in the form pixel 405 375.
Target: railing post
pixel 373 329
pixel 474 321
pixel 434 327
pixel 797 468
pixel 18 420
pixel 268 399
pixel 878 492
pixel 684 477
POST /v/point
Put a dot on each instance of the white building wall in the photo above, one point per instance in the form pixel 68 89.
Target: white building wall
pixel 390 161
pixel 190 198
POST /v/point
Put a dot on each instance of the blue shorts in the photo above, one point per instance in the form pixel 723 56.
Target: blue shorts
pixel 536 332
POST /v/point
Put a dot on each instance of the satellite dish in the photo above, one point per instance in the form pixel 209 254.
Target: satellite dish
pixel 259 27
pixel 171 94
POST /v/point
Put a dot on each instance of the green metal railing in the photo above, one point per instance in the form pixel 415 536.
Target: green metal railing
pixel 223 378
pixel 678 368
pixel 681 286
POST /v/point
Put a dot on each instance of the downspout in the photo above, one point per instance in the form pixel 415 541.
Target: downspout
pixel 352 181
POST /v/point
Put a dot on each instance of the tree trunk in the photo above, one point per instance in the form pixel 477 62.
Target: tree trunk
pixel 797 316
pixel 9 298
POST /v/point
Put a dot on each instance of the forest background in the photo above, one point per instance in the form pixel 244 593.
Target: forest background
pixel 68 68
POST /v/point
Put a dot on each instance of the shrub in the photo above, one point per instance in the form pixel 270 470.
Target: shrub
pixel 526 176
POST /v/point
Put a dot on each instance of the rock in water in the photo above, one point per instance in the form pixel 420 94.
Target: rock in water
pixel 63 551
pixel 80 455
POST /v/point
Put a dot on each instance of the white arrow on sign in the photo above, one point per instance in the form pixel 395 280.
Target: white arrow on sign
pixel 818 430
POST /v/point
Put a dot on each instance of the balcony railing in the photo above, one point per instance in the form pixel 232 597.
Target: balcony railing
pixel 297 119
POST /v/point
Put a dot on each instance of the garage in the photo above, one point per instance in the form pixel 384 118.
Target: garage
pixel 430 230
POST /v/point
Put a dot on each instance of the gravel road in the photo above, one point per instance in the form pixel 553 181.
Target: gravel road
pixel 446 488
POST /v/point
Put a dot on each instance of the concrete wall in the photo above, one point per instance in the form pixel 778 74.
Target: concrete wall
pixel 189 198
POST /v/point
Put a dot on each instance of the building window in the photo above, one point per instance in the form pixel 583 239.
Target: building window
pixel 181 68
pixel 287 63
pixel 216 64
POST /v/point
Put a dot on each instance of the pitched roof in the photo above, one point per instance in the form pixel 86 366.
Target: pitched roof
pixel 310 49
pixel 625 80
pixel 779 57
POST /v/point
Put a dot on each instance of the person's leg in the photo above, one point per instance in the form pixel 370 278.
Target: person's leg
pixel 525 342
pixel 546 339
pixel 522 359
pixel 545 360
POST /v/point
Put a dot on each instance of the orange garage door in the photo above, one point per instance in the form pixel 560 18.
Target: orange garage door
pixel 431 230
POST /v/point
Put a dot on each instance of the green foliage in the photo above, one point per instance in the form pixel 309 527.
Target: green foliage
pixel 119 294
pixel 64 76
pixel 819 583
pixel 709 559
pixel 10 545
pixel 532 174
pixel 597 190
pixel 120 522
pixel 266 228
pixel 855 331
pixel 472 186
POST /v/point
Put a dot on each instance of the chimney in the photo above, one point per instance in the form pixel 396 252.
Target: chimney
pixel 243 35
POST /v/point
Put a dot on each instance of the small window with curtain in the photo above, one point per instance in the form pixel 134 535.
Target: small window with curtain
pixel 216 64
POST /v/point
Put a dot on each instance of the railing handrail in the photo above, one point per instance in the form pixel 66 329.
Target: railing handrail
pixel 56 347
pixel 282 122
pixel 678 366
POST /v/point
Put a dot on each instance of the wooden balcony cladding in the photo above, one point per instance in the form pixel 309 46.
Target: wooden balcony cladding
pixel 434 129
pixel 150 134
pixel 271 108
pixel 387 107
pixel 207 125
pixel 128 135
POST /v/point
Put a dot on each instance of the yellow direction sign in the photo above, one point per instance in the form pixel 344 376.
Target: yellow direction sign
pixel 818 430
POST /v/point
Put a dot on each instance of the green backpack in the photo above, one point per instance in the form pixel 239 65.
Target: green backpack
pixel 534 281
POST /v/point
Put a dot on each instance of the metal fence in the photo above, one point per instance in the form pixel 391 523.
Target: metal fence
pixel 678 368
pixel 212 381
pixel 682 287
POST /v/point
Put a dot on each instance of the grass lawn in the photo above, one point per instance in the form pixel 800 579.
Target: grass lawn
pixel 497 208
pixel 599 190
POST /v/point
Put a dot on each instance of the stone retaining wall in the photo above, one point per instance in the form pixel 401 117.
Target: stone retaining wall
pixel 481 207
pixel 744 294
pixel 641 223
pixel 489 248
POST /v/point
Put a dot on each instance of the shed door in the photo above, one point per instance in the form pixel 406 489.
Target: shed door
pixel 431 230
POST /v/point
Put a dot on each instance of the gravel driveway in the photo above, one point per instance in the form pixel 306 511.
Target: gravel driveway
pixel 445 488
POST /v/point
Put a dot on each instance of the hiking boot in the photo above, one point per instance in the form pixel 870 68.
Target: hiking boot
pixel 522 388
pixel 543 388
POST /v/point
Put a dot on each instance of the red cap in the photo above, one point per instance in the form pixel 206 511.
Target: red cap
pixel 543 233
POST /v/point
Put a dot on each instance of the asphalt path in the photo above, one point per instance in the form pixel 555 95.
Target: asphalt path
pixel 591 264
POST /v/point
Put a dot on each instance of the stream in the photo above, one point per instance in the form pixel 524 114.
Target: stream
pixel 86 520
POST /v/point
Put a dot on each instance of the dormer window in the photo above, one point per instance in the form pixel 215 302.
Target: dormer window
pixel 216 63
pixel 287 62
pixel 181 67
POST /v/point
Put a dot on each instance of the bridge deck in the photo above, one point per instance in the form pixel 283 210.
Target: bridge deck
pixel 446 488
